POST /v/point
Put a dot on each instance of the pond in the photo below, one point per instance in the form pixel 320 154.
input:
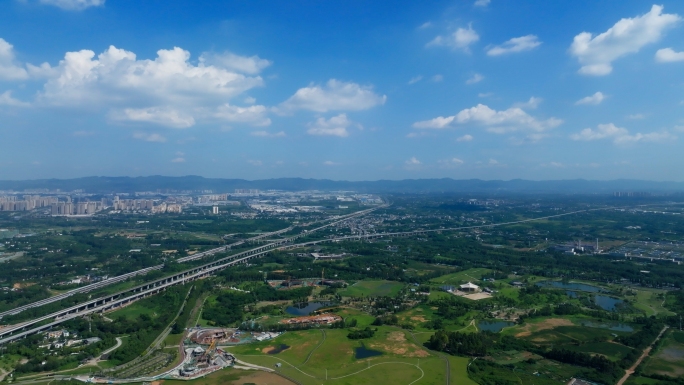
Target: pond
pixel 619 327
pixel 306 308
pixel 572 294
pixel 606 303
pixel 363 352
pixel 494 326
pixel 278 349
pixel 570 286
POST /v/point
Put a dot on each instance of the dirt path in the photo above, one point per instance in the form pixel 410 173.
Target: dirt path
pixel 630 371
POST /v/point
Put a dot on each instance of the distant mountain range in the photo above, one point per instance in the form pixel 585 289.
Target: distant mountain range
pixel 164 183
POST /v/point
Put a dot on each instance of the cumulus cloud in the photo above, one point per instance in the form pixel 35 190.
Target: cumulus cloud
pixel 493 162
pixel 515 45
pixel 74 5
pixel 619 135
pixel 482 3
pixel 162 116
pixel 461 39
pixel 627 36
pixel 335 95
pixel 512 119
pixel 450 163
pixel 6 99
pixel 531 104
pixel 413 161
pixel 335 126
pixel 475 79
pixel 667 55
pixel 169 90
pixel 266 134
pixel 149 137
pixel 248 65
pixel 464 138
pixel 9 68
pixel 594 99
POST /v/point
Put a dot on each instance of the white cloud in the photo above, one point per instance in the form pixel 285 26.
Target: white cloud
pixel 162 116
pixel 438 78
pixel 512 119
pixel 531 104
pixel 6 99
pixel 253 115
pixel 629 35
pixel 464 138
pixel 169 90
pixel 335 126
pixel 667 55
pixel 74 5
pixel 331 163
pixel 493 162
pixel 461 39
pixel 415 80
pixel 482 3
pixel 255 162
pixel 149 137
pixel 250 100
pixel 619 135
pixel 413 161
pixel 515 45
pixel 485 94
pixel 9 69
pixel 594 99
pixel 425 25
pixel 334 96
pixel 230 61
pixel 475 79
pixel 450 163
pixel 266 134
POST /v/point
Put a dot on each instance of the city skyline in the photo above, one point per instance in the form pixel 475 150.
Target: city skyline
pixel 347 91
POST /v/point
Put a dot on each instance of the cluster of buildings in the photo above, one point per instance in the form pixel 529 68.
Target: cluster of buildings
pixel 25 203
pixel 323 319
pixel 577 247
pixel 78 208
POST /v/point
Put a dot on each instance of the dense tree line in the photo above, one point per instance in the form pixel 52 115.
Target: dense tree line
pixel 361 334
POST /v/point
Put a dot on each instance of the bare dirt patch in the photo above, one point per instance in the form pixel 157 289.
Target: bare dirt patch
pixel 419 318
pixel 477 296
pixel 268 349
pixel 397 336
pixel 548 324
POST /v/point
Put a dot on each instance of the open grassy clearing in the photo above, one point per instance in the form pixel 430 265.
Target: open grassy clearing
pixel 647 300
pixel 308 357
pixel 470 275
pixel 372 288
pixel 133 310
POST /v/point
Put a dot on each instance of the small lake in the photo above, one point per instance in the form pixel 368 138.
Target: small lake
pixel 606 303
pixel 618 327
pixel 308 308
pixel 363 352
pixel 278 349
pixel 493 326
pixel 570 286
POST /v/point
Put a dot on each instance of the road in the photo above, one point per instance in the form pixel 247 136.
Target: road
pixel 204 254
pixel 645 354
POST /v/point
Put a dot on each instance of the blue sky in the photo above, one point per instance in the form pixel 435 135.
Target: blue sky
pixel 352 90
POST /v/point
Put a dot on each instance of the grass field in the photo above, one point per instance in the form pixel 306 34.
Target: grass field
pixel 470 275
pixel 372 288
pixel 133 311
pixel 647 301
pixel 317 358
